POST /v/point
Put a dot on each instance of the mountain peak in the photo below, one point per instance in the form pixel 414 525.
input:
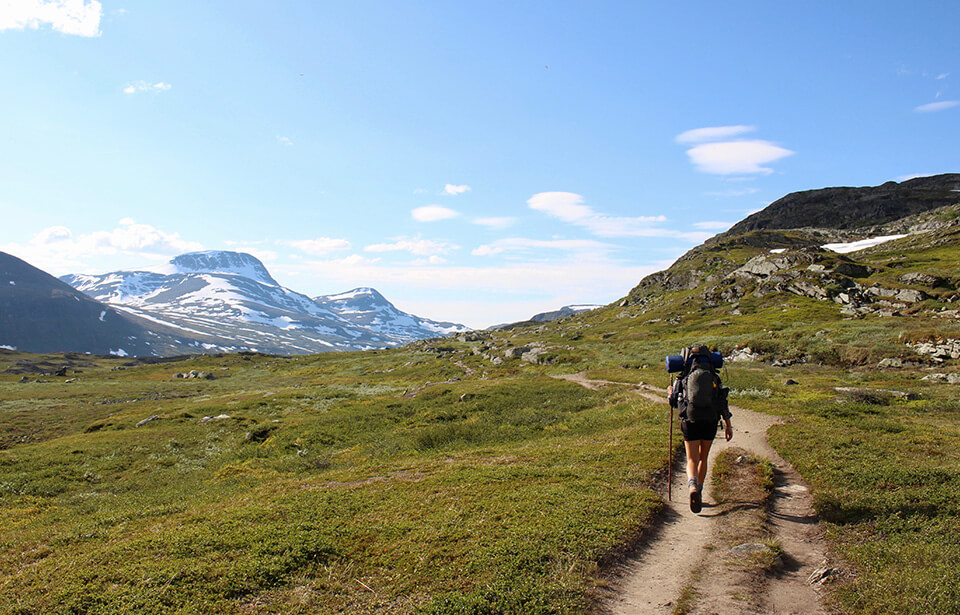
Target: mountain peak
pixel 222 261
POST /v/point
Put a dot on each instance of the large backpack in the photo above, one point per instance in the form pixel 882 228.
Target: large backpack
pixel 701 394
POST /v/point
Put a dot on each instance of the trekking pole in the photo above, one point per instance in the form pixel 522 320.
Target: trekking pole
pixel 670 460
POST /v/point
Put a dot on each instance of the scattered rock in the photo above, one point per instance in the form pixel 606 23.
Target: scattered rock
pixel 911 296
pixel 148 420
pixel 823 574
pixel 790 382
pixel 61 371
pixel 69 380
pixel 891 362
pixel 743 354
pixel 920 279
pixel 940 350
pixel 219 417
pixel 472 336
pixel 24 379
pixel 852 270
pixel 195 374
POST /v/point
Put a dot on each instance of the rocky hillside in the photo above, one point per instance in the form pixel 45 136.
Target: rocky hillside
pixel 849 209
pixel 874 270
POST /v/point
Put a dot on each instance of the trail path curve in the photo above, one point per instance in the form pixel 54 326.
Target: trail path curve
pixel 653 578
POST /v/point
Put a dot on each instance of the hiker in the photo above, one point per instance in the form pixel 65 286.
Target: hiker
pixel 702 400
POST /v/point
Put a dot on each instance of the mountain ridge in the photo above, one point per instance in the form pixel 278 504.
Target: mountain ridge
pixel 229 301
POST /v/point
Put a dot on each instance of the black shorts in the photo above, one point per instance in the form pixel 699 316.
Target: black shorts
pixel 698 431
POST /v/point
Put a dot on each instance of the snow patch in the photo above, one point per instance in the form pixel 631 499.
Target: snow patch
pixel 119 352
pixel 102 314
pixel 781 250
pixel 12 283
pixel 853 246
pixel 4 346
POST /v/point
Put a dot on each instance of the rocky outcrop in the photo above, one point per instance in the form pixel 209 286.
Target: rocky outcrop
pixel 850 208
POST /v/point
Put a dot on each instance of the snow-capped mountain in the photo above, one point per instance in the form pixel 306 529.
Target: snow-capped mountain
pixel 228 301
pixel 367 308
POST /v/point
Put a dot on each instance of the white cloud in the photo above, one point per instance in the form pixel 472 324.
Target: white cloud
pixel 569 207
pixel 284 140
pixel 522 243
pixel 495 223
pixel 736 157
pixel 943 76
pixel 67 16
pixel 144 86
pixel 57 250
pixel 936 106
pixel 452 190
pixel 419 247
pixel 320 245
pixel 715 133
pixel 433 213
pixel 713 225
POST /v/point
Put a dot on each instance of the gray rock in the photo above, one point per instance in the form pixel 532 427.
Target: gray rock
pixel 219 417
pixel 821 575
pixel 743 354
pixel 148 420
pixel 920 279
pixel 911 296
pixel 891 362
pixel 853 270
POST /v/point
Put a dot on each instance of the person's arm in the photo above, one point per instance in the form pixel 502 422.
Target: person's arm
pixel 728 428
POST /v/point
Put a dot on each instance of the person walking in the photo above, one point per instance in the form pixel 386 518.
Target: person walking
pixel 702 401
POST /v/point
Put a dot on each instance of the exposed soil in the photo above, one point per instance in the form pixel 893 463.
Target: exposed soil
pixel 681 554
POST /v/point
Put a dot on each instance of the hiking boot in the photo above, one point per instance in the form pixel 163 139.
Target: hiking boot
pixel 695 501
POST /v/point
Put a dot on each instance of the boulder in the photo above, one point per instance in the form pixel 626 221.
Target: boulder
pixel 920 279
pixel 910 295
pixel 148 420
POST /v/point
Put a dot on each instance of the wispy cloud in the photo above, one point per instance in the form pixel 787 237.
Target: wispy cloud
pixel 320 245
pixel 417 246
pixel 943 76
pixel 522 243
pixel 712 133
pixel 495 223
pixel 433 213
pixel 75 17
pixel 452 190
pixel 736 157
pixel 284 140
pixel 936 106
pixel 569 207
pixel 144 86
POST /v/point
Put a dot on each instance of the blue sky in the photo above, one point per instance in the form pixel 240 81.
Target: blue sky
pixel 474 161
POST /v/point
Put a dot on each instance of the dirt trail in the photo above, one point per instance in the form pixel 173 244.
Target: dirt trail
pixel 653 578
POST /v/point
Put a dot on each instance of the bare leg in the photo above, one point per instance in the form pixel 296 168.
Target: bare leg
pixel 703 455
pixel 693 458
